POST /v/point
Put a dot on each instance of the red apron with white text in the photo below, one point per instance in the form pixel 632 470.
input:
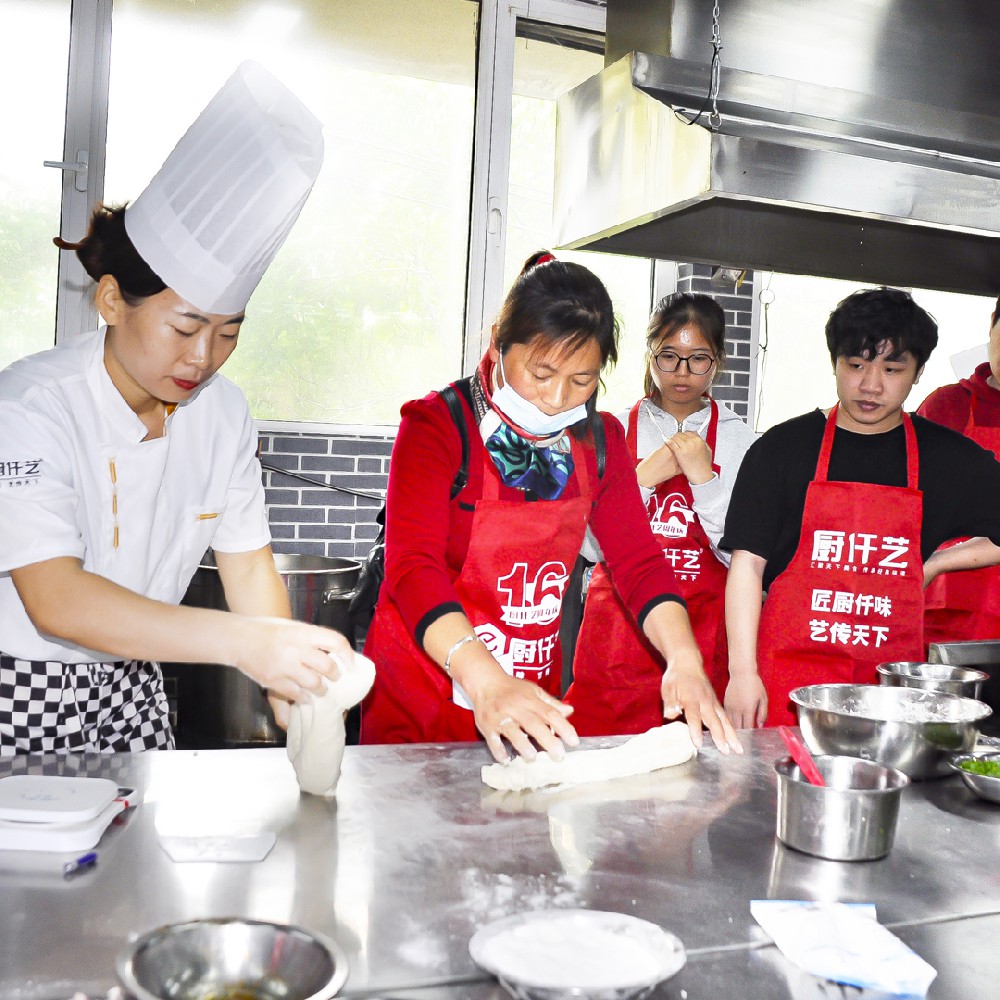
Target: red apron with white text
pixel 852 596
pixel 511 587
pixel 965 606
pixel 616 670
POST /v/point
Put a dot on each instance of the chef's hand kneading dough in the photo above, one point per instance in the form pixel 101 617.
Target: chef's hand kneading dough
pixel 663 746
pixel 316 733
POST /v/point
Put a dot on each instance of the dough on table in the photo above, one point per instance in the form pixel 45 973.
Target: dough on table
pixel 663 746
pixel 316 734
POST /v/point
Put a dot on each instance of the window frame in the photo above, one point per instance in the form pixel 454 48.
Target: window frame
pixel 86 129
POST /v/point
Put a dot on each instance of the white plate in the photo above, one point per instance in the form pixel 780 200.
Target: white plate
pixel 52 798
pixel 577 950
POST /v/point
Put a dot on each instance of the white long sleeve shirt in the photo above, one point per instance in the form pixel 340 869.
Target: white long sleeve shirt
pixel 710 499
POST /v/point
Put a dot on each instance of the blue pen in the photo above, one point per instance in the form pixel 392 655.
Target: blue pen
pixel 84 861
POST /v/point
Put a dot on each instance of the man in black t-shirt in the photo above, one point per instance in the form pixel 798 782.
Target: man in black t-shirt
pixel 845 593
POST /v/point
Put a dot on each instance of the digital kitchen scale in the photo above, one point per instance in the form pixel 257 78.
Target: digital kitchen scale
pixel 50 798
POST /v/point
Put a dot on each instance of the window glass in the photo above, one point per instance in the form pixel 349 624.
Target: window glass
pixel 363 307
pixel 796 374
pixel 34 49
pixel 543 71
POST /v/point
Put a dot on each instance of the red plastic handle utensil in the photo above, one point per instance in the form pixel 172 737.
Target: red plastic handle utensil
pixel 801 756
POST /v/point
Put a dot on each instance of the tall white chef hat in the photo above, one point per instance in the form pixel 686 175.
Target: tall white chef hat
pixel 211 220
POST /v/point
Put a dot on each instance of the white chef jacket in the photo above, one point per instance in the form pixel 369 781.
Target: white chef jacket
pixel 76 479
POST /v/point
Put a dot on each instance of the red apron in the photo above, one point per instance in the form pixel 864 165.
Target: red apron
pixel 617 671
pixel 965 606
pixel 852 596
pixel 511 587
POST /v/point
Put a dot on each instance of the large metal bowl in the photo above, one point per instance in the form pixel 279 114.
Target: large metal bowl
pixel 943 677
pixel 232 959
pixel 916 731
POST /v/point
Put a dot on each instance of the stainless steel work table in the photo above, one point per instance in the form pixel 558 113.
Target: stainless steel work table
pixel 416 853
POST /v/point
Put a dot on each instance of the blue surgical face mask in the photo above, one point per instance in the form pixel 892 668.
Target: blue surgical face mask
pixel 528 416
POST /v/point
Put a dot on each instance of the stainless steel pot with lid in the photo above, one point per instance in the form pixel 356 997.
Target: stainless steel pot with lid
pixel 218 705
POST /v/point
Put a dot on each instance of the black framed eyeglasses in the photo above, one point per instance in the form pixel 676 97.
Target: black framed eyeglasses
pixel 699 363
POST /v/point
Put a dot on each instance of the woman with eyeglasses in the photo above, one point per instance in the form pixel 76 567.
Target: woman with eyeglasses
pixel 687 449
pixel 465 635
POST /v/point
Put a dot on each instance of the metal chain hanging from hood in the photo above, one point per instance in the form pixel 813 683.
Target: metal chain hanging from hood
pixel 714 117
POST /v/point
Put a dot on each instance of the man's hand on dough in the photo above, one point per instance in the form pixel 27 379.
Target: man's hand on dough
pixel 687 689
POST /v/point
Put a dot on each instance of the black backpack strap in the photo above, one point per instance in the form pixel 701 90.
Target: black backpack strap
pixel 450 394
pixel 600 443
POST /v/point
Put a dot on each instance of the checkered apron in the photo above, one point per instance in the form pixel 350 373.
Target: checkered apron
pixel 48 706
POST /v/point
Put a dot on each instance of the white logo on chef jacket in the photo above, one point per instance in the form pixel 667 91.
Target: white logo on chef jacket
pixel 537 601
pixel 672 518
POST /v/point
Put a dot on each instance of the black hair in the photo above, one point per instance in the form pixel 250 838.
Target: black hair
pixel 107 249
pixel 996 314
pixel 563 303
pixel 867 320
pixel 681 309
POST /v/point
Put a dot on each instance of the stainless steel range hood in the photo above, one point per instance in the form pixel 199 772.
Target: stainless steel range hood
pixel 882 185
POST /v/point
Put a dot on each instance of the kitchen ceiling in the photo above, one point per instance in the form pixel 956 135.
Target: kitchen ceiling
pixel 860 141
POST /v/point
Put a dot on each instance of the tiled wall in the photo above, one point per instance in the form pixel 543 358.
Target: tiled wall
pixel 313 520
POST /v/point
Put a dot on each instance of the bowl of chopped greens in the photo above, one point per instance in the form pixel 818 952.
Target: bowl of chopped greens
pixel 981 773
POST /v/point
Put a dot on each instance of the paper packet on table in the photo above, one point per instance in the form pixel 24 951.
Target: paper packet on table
pixel 843 942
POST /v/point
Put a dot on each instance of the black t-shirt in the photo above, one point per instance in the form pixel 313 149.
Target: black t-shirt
pixel 960 482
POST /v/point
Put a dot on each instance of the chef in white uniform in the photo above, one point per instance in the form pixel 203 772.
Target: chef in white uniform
pixel 124 455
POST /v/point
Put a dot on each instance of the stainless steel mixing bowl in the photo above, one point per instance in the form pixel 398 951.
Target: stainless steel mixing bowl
pixel 232 959
pixel 943 677
pixel 916 731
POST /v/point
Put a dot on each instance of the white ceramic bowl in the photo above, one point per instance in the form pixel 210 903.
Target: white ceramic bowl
pixel 567 954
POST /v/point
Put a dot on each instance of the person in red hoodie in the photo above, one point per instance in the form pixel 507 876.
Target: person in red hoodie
pixel 966 606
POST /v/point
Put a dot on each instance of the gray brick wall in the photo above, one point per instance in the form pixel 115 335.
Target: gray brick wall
pixel 733 385
pixel 309 519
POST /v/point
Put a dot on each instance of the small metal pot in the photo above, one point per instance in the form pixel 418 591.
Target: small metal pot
pixel 851 818
pixel 942 677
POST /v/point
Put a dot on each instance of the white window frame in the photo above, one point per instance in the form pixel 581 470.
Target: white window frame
pixel 491 156
pixel 85 139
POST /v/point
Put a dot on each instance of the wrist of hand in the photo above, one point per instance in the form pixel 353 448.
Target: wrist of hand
pixel 477 671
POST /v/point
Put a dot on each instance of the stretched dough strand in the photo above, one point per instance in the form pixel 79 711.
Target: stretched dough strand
pixel 664 746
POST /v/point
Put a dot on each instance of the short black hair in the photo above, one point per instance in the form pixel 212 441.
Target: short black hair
pixel 996 314
pixel 865 321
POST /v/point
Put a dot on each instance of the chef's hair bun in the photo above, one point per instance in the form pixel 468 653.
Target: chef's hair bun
pixel 107 249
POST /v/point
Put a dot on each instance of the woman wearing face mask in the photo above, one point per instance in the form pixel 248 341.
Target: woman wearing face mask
pixel 465 636
pixel 687 449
